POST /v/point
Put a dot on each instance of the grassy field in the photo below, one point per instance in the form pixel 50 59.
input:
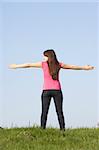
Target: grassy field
pixel 50 139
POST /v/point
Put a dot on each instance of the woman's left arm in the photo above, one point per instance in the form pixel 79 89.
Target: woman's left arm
pixel 26 65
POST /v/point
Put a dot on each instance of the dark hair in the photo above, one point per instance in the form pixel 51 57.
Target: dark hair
pixel 53 63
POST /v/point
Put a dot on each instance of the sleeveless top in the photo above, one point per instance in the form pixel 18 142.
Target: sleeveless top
pixel 49 83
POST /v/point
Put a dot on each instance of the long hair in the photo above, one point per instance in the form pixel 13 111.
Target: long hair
pixel 53 63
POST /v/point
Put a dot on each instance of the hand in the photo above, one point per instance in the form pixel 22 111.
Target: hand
pixel 88 67
pixel 13 66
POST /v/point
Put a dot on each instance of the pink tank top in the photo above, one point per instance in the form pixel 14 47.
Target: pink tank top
pixel 49 83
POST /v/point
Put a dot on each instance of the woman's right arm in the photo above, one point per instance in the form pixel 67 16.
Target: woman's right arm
pixel 74 67
pixel 26 65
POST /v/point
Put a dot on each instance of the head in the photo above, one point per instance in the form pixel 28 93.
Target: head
pixel 53 64
pixel 45 58
pixel 49 54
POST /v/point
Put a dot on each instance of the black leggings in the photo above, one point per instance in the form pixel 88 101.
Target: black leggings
pixel 58 100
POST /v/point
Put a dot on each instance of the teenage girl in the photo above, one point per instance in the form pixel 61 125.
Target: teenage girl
pixel 51 87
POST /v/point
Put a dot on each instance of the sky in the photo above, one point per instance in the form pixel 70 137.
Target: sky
pixel 27 29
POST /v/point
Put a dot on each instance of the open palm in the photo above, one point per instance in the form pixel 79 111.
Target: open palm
pixel 12 66
pixel 88 67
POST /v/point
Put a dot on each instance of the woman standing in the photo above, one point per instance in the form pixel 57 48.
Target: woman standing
pixel 52 87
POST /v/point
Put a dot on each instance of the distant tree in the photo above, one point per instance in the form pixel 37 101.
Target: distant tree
pixel 1 128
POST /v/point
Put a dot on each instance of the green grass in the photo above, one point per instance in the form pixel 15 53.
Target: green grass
pixel 50 139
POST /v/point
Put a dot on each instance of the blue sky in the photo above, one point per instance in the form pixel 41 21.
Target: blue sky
pixel 27 30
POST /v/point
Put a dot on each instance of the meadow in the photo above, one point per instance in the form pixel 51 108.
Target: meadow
pixel 35 138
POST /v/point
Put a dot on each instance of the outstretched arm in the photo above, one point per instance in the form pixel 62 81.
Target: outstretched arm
pixel 74 67
pixel 26 65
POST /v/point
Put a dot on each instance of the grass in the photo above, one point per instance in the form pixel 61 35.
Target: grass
pixel 36 138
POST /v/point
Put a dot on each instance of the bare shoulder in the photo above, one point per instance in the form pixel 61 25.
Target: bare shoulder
pixel 62 64
pixel 36 64
pixel 65 66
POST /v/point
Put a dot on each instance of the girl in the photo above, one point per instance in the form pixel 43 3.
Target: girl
pixel 51 87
